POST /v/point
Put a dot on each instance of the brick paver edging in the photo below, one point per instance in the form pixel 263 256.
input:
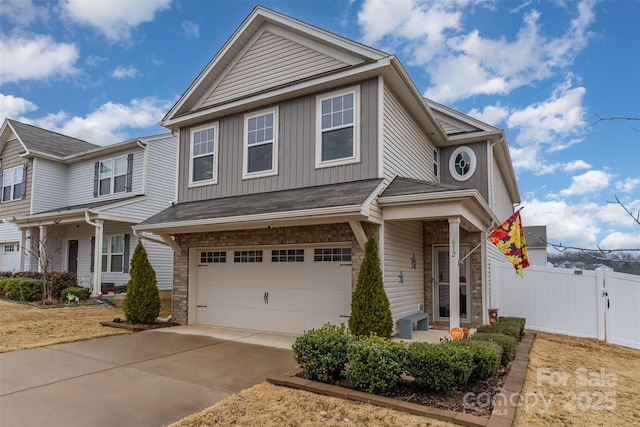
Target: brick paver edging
pixel 504 409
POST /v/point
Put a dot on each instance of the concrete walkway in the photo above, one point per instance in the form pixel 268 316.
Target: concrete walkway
pixel 144 379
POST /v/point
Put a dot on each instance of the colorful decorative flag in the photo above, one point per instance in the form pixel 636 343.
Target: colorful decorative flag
pixel 509 238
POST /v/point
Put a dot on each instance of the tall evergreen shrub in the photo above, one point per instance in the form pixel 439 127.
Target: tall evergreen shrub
pixel 370 309
pixel 142 301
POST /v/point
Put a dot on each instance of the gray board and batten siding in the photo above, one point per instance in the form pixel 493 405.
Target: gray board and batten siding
pixel 480 178
pixel 296 151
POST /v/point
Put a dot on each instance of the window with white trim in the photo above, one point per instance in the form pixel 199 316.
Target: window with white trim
pixel 213 257
pixel 113 253
pixel 204 156
pixel 337 141
pixel 247 256
pixel 287 255
pixel 435 162
pixel 113 175
pixel 332 254
pixel 462 163
pixel 260 143
pixel 13 183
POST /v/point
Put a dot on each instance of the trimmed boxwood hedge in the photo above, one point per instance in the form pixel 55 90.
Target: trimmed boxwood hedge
pixel 520 321
pixel 21 289
pixel 374 364
pixel 442 368
pixel 82 293
pixel 507 343
pixel 505 328
pixel 322 353
pixel 486 357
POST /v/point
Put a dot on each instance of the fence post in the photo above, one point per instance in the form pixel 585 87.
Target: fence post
pixel 601 289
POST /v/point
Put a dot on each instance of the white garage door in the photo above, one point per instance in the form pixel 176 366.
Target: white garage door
pixel 10 257
pixel 279 289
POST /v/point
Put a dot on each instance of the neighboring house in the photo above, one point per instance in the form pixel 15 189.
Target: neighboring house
pixel 536 239
pixel 295 146
pixel 68 205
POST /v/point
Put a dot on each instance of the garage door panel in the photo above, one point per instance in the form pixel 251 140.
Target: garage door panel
pixel 288 297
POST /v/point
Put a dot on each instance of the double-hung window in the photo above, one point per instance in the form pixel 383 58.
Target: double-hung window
pixel 113 254
pixel 113 175
pixel 260 144
pixel 13 183
pixel 337 141
pixel 204 155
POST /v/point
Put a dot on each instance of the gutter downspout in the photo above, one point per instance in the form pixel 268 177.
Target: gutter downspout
pixel 145 166
pixel 97 255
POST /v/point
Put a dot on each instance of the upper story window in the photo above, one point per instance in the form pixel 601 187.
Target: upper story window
pixel 260 144
pixel 337 141
pixel 204 155
pixel 13 183
pixel 462 163
pixel 113 175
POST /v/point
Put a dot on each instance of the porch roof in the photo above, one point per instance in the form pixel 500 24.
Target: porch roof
pixel 77 213
pixel 299 206
pixel 413 199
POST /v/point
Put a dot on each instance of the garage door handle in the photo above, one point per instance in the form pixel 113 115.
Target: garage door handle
pixel 266 297
pixel 201 306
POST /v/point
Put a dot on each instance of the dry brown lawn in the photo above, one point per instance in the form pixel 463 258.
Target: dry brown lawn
pixel 570 381
pixel 23 326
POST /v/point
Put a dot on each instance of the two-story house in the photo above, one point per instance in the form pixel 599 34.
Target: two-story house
pixel 68 205
pixel 295 146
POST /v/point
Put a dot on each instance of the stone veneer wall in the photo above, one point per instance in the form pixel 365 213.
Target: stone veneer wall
pixel 437 233
pixel 328 233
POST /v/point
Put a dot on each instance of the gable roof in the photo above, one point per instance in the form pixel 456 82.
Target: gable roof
pixel 41 141
pixel 347 198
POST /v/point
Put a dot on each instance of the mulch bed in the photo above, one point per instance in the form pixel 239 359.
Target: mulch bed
pixel 139 327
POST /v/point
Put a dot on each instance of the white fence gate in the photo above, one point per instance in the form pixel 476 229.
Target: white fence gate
pixel 571 302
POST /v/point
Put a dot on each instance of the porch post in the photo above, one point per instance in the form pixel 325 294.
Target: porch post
pixel 23 248
pixel 42 248
pixel 454 273
pixel 97 259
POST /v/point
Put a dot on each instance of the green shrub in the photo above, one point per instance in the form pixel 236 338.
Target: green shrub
pixel 505 328
pixel 370 309
pixel 486 357
pixel 520 321
pixel 142 301
pixel 374 364
pixel 440 367
pixel 322 353
pixel 61 280
pixel 507 343
pixel 22 289
pixel 82 293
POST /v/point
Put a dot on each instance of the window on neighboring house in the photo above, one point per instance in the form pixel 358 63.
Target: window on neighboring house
pixel 435 163
pixel 337 139
pixel 113 175
pixel 260 144
pixel 113 253
pixel 13 183
pixel 204 154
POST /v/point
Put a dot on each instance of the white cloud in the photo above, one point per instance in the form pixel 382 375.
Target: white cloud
pixel 122 72
pixel 619 240
pixel 95 60
pixel 24 12
pixel 491 114
pixel 462 63
pixel 36 57
pixel 628 185
pixel 11 107
pixel 529 158
pixel 576 165
pixel 111 122
pixel 114 19
pixel 190 29
pixel 589 182
pixel 560 116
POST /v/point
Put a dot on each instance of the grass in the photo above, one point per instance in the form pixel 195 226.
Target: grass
pixel 570 381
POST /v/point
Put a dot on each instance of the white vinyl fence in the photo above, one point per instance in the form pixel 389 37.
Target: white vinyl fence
pixel 571 302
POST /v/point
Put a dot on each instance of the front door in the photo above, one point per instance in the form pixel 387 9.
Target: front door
pixel 442 284
pixel 72 265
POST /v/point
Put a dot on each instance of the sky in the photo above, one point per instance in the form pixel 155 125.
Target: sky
pixel 544 71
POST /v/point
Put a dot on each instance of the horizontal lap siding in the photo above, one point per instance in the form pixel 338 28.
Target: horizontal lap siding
pixel 295 156
pixel 50 191
pixel 403 240
pixel 271 61
pixel 11 158
pixel 407 150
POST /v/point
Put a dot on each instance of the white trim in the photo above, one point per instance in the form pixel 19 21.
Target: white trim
pixel 473 163
pixel 177 180
pixel 216 133
pixel 381 128
pixel 355 158
pixel 112 176
pixel 274 142
pixel 33 186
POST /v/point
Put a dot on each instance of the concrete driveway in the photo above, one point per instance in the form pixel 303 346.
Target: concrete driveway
pixel 144 379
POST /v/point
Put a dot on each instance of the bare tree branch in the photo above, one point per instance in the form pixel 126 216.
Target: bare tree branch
pixel 635 217
pixel 602 119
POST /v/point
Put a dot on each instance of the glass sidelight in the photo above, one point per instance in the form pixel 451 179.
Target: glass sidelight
pixel 442 284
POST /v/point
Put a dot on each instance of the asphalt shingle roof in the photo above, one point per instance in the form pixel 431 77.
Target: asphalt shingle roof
pixel 47 142
pixel 324 196
pixel 401 186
